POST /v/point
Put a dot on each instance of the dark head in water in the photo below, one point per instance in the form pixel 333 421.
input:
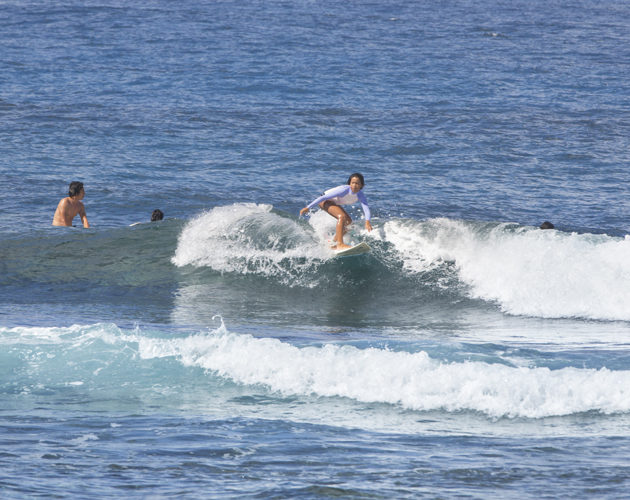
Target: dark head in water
pixel 157 215
pixel 547 225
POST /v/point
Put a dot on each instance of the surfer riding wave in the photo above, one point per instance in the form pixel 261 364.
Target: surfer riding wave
pixel 346 194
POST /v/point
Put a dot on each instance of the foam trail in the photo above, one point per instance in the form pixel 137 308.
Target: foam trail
pixel 411 380
pixel 526 271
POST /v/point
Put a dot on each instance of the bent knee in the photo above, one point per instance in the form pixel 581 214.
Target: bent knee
pixel 345 219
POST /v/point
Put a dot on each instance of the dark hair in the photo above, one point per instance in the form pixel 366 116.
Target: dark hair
pixel 157 215
pixel 547 225
pixel 75 188
pixel 359 176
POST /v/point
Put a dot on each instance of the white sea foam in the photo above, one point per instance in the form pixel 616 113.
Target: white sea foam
pixel 526 271
pixel 411 380
pixel 235 238
pixel 84 439
pixel 74 335
pixel 248 238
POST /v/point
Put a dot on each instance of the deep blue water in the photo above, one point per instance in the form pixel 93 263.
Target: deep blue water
pixel 224 352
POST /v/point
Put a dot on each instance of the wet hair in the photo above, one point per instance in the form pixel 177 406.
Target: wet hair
pixel 359 176
pixel 547 225
pixel 75 188
pixel 157 215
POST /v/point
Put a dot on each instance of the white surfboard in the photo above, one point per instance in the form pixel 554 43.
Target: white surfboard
pixel 358 249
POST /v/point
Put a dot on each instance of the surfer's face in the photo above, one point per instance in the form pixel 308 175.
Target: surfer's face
pixel 355 185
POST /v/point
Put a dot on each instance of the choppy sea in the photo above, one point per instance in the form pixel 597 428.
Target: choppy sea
pixel 223 352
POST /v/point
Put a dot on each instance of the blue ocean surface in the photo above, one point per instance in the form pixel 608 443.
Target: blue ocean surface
pixel 225 352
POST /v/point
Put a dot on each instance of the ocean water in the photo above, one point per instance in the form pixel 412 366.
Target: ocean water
pixel 223 352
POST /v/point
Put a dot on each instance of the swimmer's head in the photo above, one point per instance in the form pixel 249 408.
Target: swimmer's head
pixel 157 215
pixel 358 176
pixel 75 188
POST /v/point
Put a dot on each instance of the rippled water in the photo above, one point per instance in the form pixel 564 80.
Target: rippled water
pixel 225 352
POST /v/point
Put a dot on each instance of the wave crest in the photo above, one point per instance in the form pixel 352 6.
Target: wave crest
pixel 527 271
pixel 249 238
pixel 412 380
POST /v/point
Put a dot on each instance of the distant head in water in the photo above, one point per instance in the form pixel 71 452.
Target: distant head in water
pixel 157 215
pixel 547 225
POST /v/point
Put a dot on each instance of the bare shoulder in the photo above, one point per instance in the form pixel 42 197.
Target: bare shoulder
pixel 70 206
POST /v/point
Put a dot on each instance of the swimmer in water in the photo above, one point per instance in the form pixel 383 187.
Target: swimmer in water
pixel 333 199
pixel 70 206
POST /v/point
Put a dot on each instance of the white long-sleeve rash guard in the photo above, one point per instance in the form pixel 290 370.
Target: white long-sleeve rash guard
pixel 343 195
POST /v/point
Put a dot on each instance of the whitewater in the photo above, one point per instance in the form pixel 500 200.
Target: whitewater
pixel 105 359
pixel 525 270
pixel 225 351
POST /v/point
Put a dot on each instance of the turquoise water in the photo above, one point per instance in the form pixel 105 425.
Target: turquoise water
pixel 224 352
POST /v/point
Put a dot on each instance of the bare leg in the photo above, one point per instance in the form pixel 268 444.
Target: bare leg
pixel 343 220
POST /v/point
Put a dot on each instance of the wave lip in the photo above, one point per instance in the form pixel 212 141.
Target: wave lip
pixel 526 271
pixel 248 238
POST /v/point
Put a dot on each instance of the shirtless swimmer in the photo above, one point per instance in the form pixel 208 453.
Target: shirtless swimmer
pixel 70 206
